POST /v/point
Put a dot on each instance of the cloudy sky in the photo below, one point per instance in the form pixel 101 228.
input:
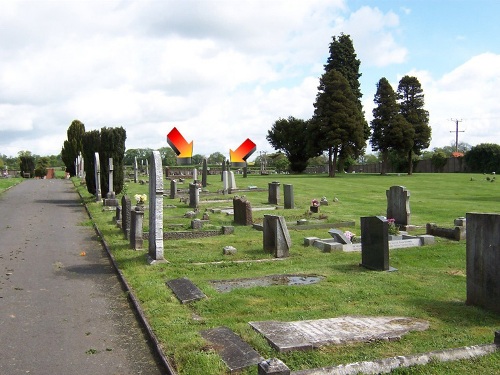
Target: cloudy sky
pixel 222 71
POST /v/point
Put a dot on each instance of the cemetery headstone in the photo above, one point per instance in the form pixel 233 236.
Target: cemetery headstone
pixel 273 192
pixel 185 290
pixel 126 208
pixel 195 175
pixel 155 238
pixel 136 171
pixel 245 171
pixel 194 195
pixel 242 211
pixel 136 224
pixel 398 205
pixel 204 173
pixel 118 215
pixel 288 193
pixel 272 366
pixel 339 236
pixel 147 167
pixel 110 196
pixel 173 189
pixel 225 182
pixel 276 237
pixel 483 260
pixel 232 181
pixel 97 175
pixel 375 243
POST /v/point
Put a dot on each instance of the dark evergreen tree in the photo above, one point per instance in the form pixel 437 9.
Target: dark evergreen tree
pixel 26 163
pixel 344 60
pixel 73 145
pixel 290 136
pixel 411 101
pixel 390 130
pixel 112 145
pixel 91 142
pixel 338 123
pixel 483 158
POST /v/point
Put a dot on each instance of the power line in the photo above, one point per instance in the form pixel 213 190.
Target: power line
pixel 456 132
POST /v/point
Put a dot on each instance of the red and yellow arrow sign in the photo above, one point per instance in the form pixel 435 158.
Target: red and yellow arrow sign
pixel 179 144
pixel 243 152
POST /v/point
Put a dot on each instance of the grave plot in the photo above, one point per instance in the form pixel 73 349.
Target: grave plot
pixel 224 286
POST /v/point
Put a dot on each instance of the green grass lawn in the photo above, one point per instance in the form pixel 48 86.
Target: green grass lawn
pixel 6 183
pixel 430 282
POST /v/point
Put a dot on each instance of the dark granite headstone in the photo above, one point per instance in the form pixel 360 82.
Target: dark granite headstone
pixel 204 173
pixel 185 290
pixel 126 207
pixel 375 243
pixel 273 192
pixel 398 205
pixel 235 353
pixel 483 260
pixel 276 237
pixel 194 196
pixel 242 211
pixel 288 194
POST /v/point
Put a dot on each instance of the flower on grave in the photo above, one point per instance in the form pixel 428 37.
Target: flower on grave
pixel 393 229
pixel 349 235
pixel 141 198
pixel 314 203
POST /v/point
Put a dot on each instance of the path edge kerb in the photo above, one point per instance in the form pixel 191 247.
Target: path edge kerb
pixel 135 303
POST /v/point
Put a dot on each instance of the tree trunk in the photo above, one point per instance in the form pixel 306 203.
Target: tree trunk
pixel 385 157
pixel 331 171
pixel 335 157
pixel 410 162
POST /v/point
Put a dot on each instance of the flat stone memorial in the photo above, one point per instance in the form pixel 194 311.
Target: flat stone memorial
pixel 339 236
pixel 310 334
pixel 235 353
pixel 185 290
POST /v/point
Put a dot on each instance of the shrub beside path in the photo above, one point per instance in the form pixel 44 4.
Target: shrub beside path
pixel 62 308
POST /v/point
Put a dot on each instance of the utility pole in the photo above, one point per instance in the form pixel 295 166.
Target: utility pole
pixel 456 132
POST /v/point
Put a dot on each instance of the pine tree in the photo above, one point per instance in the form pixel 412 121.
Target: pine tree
pixel 411 101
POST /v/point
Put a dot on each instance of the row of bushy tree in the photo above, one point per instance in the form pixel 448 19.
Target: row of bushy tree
pixel 338 125
pixel 108 142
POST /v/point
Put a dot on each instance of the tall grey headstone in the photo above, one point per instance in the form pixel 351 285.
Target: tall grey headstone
pixel 155 251
pixel 147 167
pixel 126 208
pixel 375 243
pixel 245 171
pixel 276 237
pixel 97 175
pixel 398 204
pixel 288 194
pixel 483 260
pixel 173 189
pixel 225 182
pixel 232 181
pixel 135 170
pixel 273 192
pixel 194 196
pixel 204 173
pixel 81 168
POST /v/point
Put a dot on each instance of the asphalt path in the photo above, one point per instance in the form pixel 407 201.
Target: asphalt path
pixel 62 307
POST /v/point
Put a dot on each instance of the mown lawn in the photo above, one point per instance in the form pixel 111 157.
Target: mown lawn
pixel 430 282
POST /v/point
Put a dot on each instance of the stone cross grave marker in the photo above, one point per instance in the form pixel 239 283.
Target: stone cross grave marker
pixel 110 196
pixel 273 195
pixel 97 175
pixel 276 237
pixel 375 243
pixel 288 194
pixel 398 204
pixel 242 211
pixel 155 239
pixel 483 260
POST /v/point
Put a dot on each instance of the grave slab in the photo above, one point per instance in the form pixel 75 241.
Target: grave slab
pixel 235 353
pixel 310 334
pixel 185 290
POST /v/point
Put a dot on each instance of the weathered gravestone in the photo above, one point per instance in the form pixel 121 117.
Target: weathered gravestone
pixel 339 236
pixel 276 237
pixel 375 243
pixel 204 173
pixel 136 177
pixel 272 366
pixel 225 182
pixel 398 205
pixel 110 196
pixel 194 195
pixel 288 194
pixel 195 175
pixel 136 224
pixel 273 195
pixel 155 238
pixel 232 181
pixel 97 176
pixel 185 290
pixel 173 189
pixel 118 215
pixel 242 211
pixel 483 260
pixel 126 207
